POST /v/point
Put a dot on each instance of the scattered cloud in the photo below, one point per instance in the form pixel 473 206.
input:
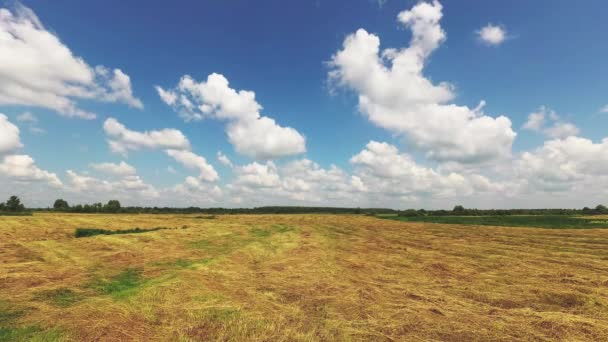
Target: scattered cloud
pixel 250 133
pixel 121 169
pixel 194 161
pixel 27 117
pixel 550 124
pixel 604 109
pixel 124 187
pixel 222 158
pixel 37 69
pixel 572 163
pixel 492 34
pixel 22 168
pixel 122 139
pixel 9 135
pixel 394 94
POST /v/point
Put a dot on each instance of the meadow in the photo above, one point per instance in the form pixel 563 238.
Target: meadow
pixel 296 278
pixel 536 221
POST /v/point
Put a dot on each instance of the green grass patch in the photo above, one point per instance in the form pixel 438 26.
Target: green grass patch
pixel 88 232
pixel 122 285
pixel 61 297
pixel 258 232
pixel 206 217
pixel 30 334
pixel 15 213
pixel 535 221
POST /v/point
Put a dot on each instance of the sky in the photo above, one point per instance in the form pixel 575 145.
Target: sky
pixel 366 103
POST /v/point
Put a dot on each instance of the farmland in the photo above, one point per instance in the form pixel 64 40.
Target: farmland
pixel 537 221
pixel 297 278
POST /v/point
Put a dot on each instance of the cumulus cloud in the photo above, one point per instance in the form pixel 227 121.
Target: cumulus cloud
pixel 122 139
pixel 547 121
pixel 194 161
pixel 37 69
pixel 9 135
pixel 492 34
pixel 572 163
pixel 299 181
pixel 121 169
pixel 19 167
pixel 22 168
pixel 175 144
pixel 222 158
pixel 394 94
pixel 124 187
pixel 248 131
pixel 390 173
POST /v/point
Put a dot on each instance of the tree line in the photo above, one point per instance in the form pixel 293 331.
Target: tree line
pixel 14 205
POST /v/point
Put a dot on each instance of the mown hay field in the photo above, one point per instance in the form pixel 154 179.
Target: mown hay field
pixel 297 278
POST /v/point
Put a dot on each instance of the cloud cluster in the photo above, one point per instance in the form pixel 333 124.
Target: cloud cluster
pixel 37 69
pixel 492 34
pixel 387 172
pixel 250 133
pixel 550 124
pixel 19 167
pixel 124 187
pixel 572 163
pixel 121 169
pixel 175 144
pixel 122 139
pixel 395 95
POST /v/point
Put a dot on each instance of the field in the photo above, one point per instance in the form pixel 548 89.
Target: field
pixel 297 278
pixel 537 221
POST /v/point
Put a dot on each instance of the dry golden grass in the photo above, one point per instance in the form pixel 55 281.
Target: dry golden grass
pixel 298 278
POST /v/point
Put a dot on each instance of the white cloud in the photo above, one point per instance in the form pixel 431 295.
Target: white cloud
pixel 23 169
pixel 121 169
pixel 27 117
pixel 9 135
pixel 194 161
pixel 37 69
pixel 604 109
pixel 124 187
pixel 562 130
pixel 573 163
pixel 248 131
pixel 387 172
pixel 537 121
pixel 168 97
pixel 223 159
pixel 192 190
pixel 492 34
pixel 395 95
pixel 122 139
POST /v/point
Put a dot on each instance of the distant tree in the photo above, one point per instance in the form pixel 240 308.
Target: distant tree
pixel 61 204
pixel 458 209
pixel 112 206
pixel 601 209
pixel 14 204
pixel 2 206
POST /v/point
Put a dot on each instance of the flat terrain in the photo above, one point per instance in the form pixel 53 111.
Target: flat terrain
pixel 537 221
pixel 298 278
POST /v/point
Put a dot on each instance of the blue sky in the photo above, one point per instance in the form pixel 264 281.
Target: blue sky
pixel 552 54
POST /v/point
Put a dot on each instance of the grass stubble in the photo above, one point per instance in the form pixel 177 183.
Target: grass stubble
pixel 298 278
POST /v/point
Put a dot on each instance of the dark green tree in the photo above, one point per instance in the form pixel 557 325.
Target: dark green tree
pixel 14 204
pixel 458 209
pixel 61 204
pixel 112 206
pixel 601 209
